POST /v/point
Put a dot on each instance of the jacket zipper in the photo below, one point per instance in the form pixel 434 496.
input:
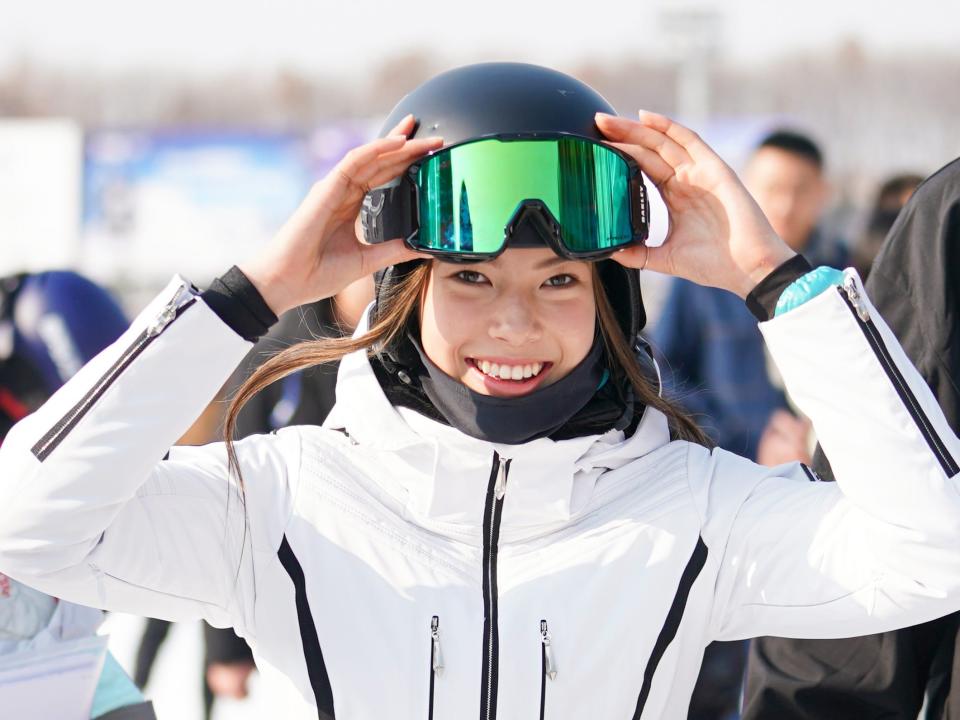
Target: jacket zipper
pixel 548 665
pixel 170 312
pixel 851 295
pixel 436 659
pixel 493 508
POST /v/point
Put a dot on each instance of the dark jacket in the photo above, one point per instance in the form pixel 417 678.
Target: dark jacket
pixel 914 284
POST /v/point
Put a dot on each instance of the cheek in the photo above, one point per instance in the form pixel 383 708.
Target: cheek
pixel 443 329
pixel 574 327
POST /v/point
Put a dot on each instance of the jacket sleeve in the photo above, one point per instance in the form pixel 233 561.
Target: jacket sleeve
pixel 876 550
pixel 97 508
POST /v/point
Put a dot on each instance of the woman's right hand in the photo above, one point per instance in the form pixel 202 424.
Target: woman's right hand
pixel 317 252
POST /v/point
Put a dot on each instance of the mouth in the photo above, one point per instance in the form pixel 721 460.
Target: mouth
pixel 509 378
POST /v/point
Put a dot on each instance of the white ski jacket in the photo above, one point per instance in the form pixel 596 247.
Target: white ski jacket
pixel 391 566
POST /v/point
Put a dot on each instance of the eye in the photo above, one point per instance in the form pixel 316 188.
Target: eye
pixel 471 277
pixel 562 280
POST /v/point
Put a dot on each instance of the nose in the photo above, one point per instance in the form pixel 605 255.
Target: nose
pixel 515 321
pixel 783 204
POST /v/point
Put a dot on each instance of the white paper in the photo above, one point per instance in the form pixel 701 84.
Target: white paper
pixel 57 681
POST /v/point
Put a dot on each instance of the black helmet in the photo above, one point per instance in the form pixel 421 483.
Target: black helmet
pixel 486 99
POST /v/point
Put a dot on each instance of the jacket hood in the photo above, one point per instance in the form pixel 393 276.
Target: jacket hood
pixel 444 473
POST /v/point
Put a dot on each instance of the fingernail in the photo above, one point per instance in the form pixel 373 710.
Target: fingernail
pixel 605 115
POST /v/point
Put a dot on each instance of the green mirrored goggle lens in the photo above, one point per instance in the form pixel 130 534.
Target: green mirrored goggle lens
pixel 469 193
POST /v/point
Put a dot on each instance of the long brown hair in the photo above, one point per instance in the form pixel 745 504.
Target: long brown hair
pixel 393 314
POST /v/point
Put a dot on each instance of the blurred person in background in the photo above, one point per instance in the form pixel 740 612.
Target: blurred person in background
pixel 891 197
pixel 303 398
pixel 716 361
pixel 51 324
pixel 915 284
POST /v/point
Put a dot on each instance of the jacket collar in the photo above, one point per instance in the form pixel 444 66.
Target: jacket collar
pixel 442 475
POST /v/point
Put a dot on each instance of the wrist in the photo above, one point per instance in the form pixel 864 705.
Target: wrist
pixel 270 285
pixel 768 263
pixel 240 305
pixel 763 301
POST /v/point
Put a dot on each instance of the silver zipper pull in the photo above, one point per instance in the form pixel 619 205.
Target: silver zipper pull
pixel 548 651
pixel 500 489
pixel 437 655
pixel 169 312
pixel 850 287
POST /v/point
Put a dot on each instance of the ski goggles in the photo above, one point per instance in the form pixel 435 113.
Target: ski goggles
pixel 466 202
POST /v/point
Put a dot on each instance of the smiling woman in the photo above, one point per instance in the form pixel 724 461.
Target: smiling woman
pixel 500 485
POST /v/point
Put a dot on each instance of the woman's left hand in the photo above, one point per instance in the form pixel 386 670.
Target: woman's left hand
pixel 717 235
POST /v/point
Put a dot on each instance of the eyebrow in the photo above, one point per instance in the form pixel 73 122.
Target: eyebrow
pixel 551 262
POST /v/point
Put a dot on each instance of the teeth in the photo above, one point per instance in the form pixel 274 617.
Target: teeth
pixel 509 372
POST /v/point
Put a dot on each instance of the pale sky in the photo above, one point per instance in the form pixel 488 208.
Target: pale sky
pixel 348 37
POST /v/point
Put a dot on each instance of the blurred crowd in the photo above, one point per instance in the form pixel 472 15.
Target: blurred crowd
pixel 711 356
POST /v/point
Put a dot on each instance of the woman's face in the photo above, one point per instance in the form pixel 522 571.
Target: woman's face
pixel 510 326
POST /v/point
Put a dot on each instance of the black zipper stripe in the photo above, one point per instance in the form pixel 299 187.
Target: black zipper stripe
pixel 433 673
pixel 312 653
pixel 672 622
pixel 543 674
pixel 809 473
pixel 492 512
pixel 56 435
pixel 947 463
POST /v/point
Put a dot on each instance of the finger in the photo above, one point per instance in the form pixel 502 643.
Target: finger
pixel 390 165
pixel 349 169
pixel 404 126
pixel 681 134
pixel 382 174
pixel 659 259
pixel 412 150
pixel 633 132
pixel 655 167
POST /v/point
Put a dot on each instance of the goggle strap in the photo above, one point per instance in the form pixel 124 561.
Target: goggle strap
pixel 389 212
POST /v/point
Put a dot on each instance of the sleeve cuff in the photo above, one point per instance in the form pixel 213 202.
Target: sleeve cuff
pixel 240 305
pixel 807 287
pixel 762 300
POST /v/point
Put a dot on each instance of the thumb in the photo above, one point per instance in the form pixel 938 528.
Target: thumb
pixel 645 257
pixel 381 255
